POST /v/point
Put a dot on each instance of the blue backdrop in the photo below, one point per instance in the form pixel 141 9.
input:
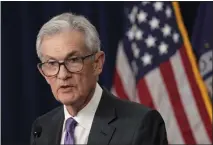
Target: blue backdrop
pixel 25 94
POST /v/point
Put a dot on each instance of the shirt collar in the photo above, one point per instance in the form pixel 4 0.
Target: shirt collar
pixel 85 116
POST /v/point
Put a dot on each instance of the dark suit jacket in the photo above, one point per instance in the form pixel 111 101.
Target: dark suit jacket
pixel 116 122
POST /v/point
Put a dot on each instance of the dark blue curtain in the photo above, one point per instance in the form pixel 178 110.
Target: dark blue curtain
pixel 202 43
pixel 25 94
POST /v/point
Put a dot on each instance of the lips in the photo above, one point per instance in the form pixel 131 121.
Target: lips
pixel 65 89
pixel 66 86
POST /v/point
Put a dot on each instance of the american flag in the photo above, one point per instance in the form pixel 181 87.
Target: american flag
pixel 155 66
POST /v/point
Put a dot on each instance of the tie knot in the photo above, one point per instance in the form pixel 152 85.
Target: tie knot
pixel 70 125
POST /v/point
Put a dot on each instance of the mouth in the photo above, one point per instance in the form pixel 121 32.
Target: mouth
pixel 66 88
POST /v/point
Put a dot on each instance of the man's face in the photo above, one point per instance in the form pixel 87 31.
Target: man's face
pixel 71 88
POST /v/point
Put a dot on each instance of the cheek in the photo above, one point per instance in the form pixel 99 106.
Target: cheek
pixel 53 85
pixel 80 81
pixel 84 81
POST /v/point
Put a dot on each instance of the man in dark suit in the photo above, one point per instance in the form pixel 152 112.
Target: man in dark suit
pixel 71 60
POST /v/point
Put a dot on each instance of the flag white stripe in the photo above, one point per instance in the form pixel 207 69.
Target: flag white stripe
pixel 113 91
pixel 137 97
pixel 126 74
pixel 188 101
pixel 163 105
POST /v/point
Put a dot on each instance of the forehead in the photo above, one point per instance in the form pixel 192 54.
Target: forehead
pixel 59 45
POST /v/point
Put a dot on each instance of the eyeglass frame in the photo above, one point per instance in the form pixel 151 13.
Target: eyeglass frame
pixel 39 65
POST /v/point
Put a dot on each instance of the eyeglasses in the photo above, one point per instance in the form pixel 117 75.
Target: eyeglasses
pixel 74 64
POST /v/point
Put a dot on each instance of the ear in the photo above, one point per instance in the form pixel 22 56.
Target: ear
pixel 99 62
pixel 46 78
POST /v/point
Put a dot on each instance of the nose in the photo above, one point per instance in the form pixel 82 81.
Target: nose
pixel 63 72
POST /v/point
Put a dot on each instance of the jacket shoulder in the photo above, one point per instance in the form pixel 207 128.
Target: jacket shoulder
pixel 49 115
pixel 127 107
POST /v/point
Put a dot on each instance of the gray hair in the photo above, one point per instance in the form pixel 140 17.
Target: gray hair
pixel 68 20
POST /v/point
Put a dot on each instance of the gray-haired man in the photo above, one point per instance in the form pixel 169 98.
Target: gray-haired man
pixel 71 60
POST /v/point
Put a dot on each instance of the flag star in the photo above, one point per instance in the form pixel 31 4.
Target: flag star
pixel 131 32
pixel 134 67
pixel 175 37
pixel 142 16
pixel 158 6
pixel 135 50
pixel 154 23
pixel 132 15
pixel 166 30
pixel 168 12
pixel 146 59
pixel 134 27
pixel 145 3
pixel 163 48
pixel 150 41
pixel 138 34
pixel 135 9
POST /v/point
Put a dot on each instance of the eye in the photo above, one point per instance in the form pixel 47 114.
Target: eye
pixel 73 59
pixel 51 63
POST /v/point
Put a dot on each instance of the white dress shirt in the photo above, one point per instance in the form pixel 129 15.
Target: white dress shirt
pixel 84 118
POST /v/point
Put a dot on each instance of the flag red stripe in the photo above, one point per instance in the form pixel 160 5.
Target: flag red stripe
pixel 196 93
pixel 174 96
pixel 119 86
pixel 144 94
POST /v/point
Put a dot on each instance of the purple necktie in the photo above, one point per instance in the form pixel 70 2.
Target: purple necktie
pixel 69 127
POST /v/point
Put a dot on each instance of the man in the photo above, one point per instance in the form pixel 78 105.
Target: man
pixel 69 49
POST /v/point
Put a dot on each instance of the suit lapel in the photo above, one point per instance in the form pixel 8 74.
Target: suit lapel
pixel 55 130
pixel 101 131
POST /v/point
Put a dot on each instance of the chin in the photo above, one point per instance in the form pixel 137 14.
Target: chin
pixel 67 99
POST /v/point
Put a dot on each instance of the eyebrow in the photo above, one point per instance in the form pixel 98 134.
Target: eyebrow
pixel 73 53
pixel 47 57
